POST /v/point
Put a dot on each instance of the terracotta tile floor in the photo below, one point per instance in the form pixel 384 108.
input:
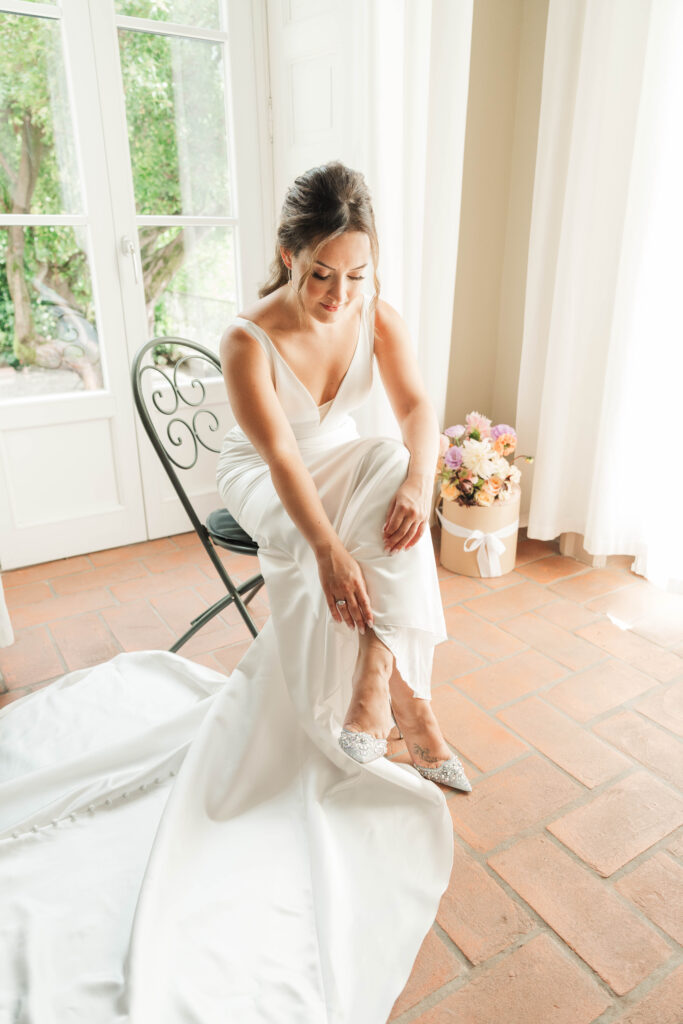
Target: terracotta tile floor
pixel 561 687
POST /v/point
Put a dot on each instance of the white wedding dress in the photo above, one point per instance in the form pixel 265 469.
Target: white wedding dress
pixel 182 847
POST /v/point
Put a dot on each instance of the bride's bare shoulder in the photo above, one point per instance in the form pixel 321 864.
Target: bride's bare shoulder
pixel 265 311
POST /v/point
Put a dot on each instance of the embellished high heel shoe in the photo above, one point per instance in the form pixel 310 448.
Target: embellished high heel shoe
pixel 450 773
pixel 361 746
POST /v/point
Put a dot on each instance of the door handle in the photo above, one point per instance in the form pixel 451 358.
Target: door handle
pixel 128 249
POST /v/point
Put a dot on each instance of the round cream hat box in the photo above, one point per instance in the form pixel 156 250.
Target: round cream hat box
pixel 464 551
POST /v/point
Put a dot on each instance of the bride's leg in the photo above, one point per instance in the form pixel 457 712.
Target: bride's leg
pixel 368 710
pixel 418 723
pixel 375 680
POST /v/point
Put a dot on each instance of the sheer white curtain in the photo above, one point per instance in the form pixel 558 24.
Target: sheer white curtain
pixel 602 360
pixel 418 54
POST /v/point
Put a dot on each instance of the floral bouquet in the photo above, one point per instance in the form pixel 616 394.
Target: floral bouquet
pixel 473 467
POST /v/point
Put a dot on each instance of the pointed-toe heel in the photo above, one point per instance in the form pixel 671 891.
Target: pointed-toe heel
pixel 450 773
pixel 361 746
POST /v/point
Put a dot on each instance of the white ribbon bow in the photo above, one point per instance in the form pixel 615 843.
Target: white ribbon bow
pixel 488 546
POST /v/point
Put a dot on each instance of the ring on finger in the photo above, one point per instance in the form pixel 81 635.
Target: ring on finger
pixel 341 602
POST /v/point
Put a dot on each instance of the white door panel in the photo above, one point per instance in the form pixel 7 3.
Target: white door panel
pixel 77 473
pixel 69 475
pixel 317 84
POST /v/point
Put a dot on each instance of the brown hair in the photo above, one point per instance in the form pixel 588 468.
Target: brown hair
pixel 321 204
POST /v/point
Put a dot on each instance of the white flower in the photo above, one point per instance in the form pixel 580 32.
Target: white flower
pixel 501 467
pixel 515 474
pixel 476 456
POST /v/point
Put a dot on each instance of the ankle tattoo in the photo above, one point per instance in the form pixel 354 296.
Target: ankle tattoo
pixel 424 753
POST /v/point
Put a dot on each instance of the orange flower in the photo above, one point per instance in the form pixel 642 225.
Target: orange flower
pixel 483 497
pixel 449 491
pixel 504 444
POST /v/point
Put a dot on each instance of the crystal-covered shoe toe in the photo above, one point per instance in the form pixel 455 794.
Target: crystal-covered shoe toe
pixel 361 746
pixel 450 773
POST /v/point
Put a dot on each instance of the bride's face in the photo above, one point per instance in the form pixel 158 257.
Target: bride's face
pixel 337 277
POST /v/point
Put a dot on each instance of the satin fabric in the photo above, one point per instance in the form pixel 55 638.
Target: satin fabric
pixel 178 846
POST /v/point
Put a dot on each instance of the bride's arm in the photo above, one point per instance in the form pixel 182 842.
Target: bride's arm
pixel 257 409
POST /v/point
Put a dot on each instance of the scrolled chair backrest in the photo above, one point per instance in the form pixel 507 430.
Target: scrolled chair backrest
pixel 173 403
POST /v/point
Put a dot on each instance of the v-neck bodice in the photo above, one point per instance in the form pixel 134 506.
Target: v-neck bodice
pixel 305 416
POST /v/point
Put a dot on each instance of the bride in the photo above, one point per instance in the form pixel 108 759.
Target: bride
pixel 307 324
pixel 176 846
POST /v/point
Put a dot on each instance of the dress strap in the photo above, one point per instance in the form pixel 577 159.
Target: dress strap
pixel 256 332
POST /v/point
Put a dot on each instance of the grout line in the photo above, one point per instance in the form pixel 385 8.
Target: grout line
pixel 454 948
pixel 55 646
pixel 98 613
pixel 632 906
pixel 567 674
pixel 630 999
pixel 545 926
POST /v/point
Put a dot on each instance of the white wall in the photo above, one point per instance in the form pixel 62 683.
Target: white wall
pixel 508 39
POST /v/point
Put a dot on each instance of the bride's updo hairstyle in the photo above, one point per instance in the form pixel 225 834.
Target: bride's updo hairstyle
pixel 321 204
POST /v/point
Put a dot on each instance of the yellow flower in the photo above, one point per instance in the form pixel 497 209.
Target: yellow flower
pixel 483 497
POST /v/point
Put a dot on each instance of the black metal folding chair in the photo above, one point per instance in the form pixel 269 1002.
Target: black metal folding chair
pixel 178 392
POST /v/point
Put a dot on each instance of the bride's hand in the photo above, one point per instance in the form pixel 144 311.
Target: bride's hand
pixel 342 579
pixel 407 515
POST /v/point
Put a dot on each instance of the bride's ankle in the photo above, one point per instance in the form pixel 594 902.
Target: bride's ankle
pixel 369 707
pixel 414 709
pixel 371 682
pixel 421 733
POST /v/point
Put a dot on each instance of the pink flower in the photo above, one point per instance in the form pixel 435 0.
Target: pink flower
pixel 455 431
pixel 475 421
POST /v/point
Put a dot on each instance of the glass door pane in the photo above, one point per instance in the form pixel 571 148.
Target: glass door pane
pixel 198 299
pixel 38 169
pixel 48 334
pixel 201 13
pixel 175 96
pixel 175 109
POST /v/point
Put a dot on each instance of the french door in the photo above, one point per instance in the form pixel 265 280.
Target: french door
pixel 136 200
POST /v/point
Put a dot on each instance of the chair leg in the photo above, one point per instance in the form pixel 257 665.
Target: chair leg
pixel 194 628
pixel 249 588
pixel 229 585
